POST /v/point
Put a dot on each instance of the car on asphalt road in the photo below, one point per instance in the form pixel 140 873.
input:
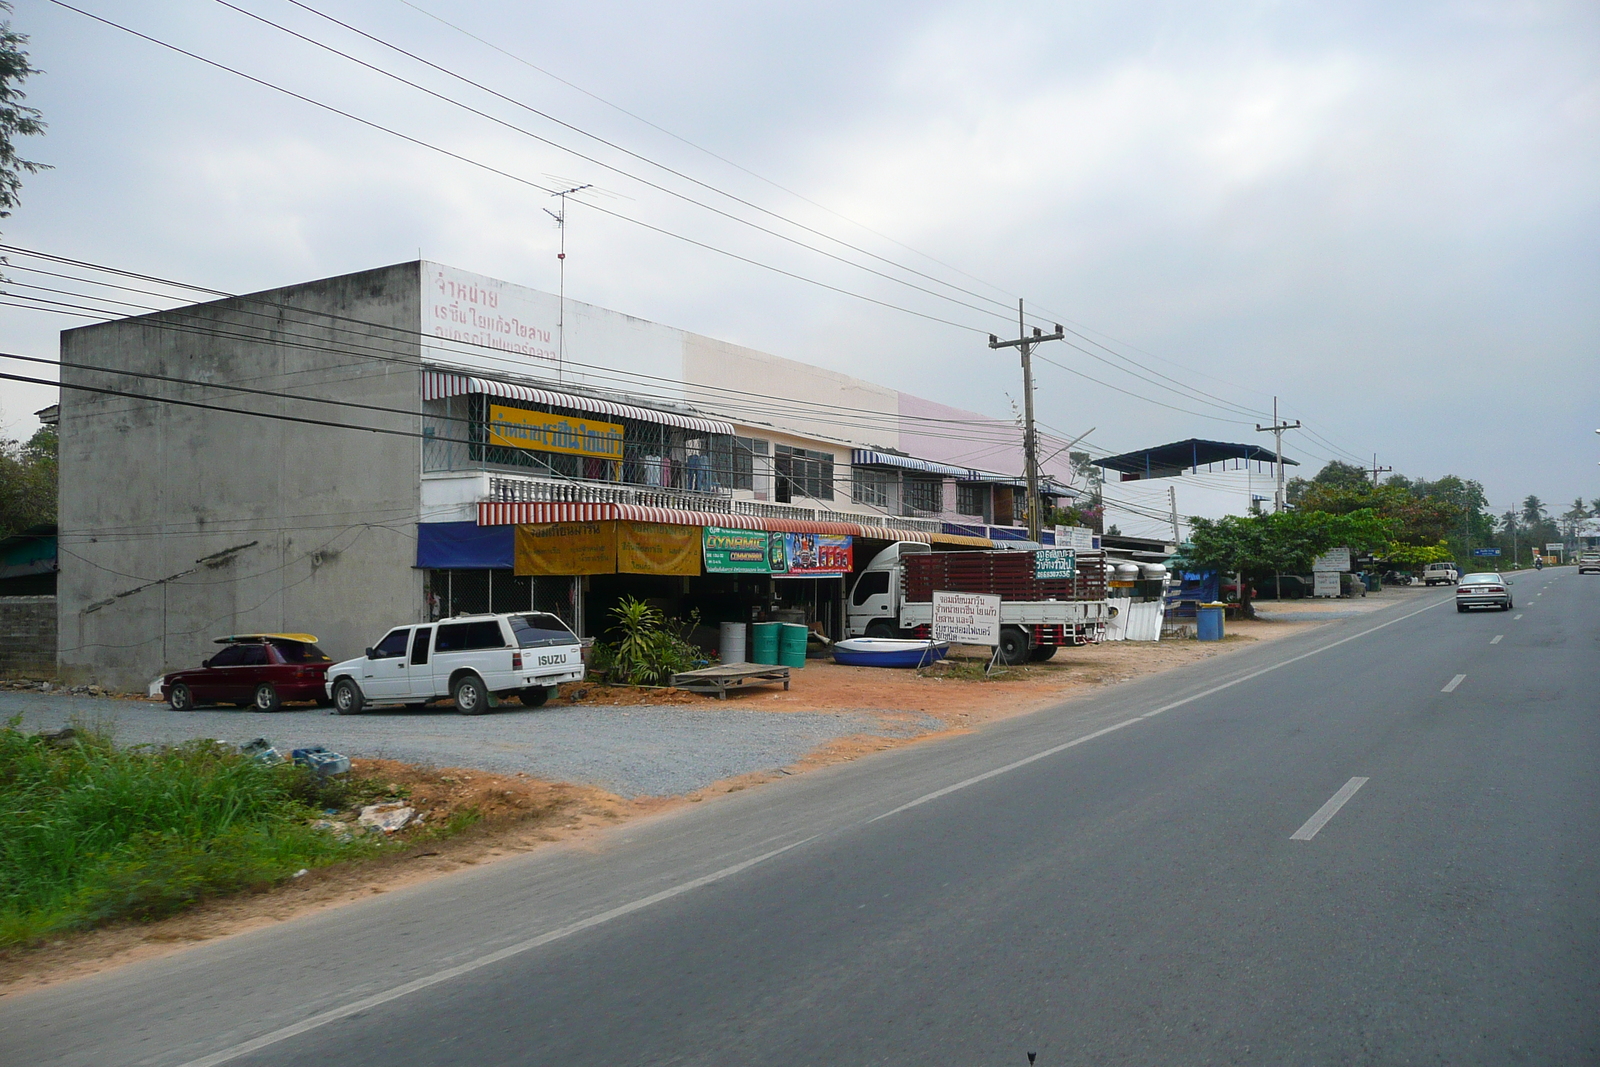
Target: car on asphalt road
pixel 262 670
pixel 1440 574
pixel 476 660
pixel 1485 590
pixel 1589 562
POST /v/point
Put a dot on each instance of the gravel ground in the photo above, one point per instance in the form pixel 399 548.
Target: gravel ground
pixel 638 751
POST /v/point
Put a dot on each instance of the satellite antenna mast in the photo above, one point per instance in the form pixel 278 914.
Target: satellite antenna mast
pixel 561 259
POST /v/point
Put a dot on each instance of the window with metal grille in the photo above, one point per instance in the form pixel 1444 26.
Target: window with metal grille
pixel 971 498
pixel 874 488
pixel 803 472
pixel 923 494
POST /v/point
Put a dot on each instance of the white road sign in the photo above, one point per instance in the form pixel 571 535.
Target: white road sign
pixel 966 618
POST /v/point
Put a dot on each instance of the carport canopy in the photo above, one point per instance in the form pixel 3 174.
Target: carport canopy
pixel 1169 461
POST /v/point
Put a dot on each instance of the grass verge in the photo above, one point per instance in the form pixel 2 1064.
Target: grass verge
pixel 91 833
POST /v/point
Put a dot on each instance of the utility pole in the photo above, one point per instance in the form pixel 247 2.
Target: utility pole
pixel 1030 442
pixel 1276 429
pixel 561 258
pixel 1376 470
pixel 1172 499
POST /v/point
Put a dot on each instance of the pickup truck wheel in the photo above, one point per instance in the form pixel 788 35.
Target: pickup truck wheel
pixel 1013 646
pixel 881 630
pixel 534 696
pixel 470 696
pixel 181 698
pixel 266 698
pixel 347 698
pixel 1041 654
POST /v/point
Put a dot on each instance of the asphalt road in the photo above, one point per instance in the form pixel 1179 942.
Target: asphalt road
pixel 1157 877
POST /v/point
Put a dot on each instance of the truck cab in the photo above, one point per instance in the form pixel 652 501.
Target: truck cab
pixel 874 605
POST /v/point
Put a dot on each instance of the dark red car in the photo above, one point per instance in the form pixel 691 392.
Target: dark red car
pixel 262 670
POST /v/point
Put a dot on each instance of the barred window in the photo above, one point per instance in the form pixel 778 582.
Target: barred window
pixel 971 498
pixel 924 494
pixel 872 487
pixel 802 472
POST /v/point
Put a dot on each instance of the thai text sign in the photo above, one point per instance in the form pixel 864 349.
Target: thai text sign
pixel 966 618
pixel 737 551
pixel 1486 552
pixel 658 548
pixel 1077 538
pixel 1055 563
pixel 1324 583
pixel 543 432
pixel 1335 559
pixel 566 548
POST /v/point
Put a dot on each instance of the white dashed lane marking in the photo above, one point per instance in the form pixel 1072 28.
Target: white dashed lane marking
pixel 1497 639
pixel 1328 810
pixel 1450 687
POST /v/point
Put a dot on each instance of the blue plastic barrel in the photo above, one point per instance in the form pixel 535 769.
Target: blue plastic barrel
pixel 1209 617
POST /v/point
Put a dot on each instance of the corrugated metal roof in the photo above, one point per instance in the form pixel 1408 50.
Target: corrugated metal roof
pixel 439 385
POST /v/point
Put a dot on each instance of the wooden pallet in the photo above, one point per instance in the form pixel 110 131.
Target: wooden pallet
pixel 722 678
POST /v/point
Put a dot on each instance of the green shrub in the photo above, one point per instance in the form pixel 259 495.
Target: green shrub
pixel 90 832
pixel 649 650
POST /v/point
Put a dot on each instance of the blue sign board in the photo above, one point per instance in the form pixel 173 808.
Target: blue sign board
pixel 1486 552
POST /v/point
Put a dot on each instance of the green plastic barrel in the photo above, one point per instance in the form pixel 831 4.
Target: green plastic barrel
pixel 764 642
pixel 792 645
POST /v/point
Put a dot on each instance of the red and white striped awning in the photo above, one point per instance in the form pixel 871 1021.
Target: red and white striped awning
pixel 440 385
pixel 492 514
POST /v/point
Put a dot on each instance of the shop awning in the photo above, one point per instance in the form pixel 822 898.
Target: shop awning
pixel 866 457
pixel 463 546
pixel 494 514
pixel 439 385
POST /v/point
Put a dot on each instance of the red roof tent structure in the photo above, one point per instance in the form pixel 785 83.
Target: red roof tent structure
pixel 1169 461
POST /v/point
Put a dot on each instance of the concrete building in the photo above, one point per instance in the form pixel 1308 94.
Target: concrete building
pixel 468 413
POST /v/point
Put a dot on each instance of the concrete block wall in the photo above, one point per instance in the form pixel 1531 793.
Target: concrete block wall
pixel 183 524
pixel 27 636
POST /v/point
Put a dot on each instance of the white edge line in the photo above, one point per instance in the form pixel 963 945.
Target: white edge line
pixel 347 1010
pixel 1328 810
pixel 986 775
pixel 1450 686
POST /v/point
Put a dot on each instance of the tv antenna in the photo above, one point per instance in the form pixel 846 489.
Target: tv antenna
pixel 561 258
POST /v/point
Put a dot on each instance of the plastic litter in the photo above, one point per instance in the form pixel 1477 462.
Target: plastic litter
pixel 387 817
pixel 320 760
pixel 261 751
pixel 340 830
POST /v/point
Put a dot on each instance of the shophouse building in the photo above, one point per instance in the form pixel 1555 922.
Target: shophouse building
pixel 414 441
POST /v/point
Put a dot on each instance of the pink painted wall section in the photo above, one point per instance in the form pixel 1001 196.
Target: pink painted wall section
pixel 968 439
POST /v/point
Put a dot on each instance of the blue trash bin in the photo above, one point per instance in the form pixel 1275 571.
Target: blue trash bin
pixel 1209 617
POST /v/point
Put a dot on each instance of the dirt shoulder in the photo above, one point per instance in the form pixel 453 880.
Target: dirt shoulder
pixel 517 813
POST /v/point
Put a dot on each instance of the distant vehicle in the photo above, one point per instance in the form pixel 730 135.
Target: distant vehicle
pixel 473 659
pixel 262 670
pixel 893 598
pixel 1589 562
pixel 1440 574
pixel 1485 590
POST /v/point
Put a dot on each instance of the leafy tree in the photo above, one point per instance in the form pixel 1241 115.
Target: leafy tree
pixel 1259 545
pixel 1412 557
pixel 28 482
pixel 16 118
pixel 1334 476
pixel 1573 516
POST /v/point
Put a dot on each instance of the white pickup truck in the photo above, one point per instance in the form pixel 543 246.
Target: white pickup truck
pixel 474 659
pixel 1440 574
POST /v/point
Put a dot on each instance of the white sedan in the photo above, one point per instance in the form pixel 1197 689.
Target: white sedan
pixel 1487 590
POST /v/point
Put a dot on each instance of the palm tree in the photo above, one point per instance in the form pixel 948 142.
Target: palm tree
pixel 1533 512
pixel 1574 515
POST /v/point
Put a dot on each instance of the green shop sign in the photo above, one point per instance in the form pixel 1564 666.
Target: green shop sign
pixel 743 551
pixel 1055 563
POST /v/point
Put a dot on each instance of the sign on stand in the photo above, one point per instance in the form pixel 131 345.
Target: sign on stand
pixel 967 619
pixel 1325 583
pixel 1335 559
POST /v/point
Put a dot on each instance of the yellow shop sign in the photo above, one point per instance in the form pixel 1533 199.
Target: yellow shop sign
pixel 543 432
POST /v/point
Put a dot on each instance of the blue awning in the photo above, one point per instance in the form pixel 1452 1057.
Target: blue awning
pixel 866 457
pixel 465 546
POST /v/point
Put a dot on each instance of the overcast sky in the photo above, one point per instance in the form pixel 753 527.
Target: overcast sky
pixel 1384 214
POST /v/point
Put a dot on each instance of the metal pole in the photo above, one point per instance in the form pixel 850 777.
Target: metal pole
pixel 1029 442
